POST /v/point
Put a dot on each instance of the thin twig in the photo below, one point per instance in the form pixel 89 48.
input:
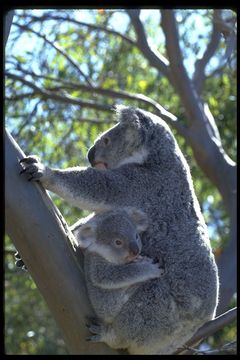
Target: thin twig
pixel 200 65
pixel 28 118
pixel 155 58
pixel 210 328
pixel 229 348
pixel 62 98
pixel 80 23
pixel 159 110
pixel 58 49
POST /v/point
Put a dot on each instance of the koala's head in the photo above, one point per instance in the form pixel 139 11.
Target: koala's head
pixel 114 235
pixel 136 136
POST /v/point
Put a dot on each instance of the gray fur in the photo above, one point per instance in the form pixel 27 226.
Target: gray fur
pixel 159 183
pixel 113 273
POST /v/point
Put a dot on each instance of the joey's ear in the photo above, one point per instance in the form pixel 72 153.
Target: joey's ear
pixel 139 218
pixel 86 235
pixel 127 115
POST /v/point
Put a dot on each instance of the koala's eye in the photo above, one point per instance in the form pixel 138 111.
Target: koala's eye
pixel 118 242
pixel 106 140
pixel 137 237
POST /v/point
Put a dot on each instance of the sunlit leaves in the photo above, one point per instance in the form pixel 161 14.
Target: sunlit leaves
pixel 28 325
pixel 21 59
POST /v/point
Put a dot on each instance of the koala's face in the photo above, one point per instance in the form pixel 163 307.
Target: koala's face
pixel 117 239
pixel 122 144
pixel 114 235
pixel 139 136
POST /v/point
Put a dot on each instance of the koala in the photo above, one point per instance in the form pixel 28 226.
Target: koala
pixel 113 269
pixel 138 163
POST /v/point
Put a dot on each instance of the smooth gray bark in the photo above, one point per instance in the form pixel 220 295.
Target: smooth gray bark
pixel 7 25
pixel 42 237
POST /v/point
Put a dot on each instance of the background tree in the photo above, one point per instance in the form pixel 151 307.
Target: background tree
pixel 65 70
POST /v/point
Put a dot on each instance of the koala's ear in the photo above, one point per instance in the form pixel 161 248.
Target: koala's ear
pixel 139 218
pixel 127 115
pixel 86 235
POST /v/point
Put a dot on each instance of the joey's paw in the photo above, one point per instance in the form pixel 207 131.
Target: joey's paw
pixel 146 259
pixel 157 269
pixel 33 168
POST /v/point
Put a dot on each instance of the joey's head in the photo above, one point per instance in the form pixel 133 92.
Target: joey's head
pixel 114 235
pixel 136 137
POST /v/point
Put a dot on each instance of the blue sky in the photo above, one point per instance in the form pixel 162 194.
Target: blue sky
pixel 121 19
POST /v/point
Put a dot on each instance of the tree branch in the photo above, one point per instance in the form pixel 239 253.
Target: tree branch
pixel 58 49
pixel 7 25
pixel 155 59
pixel 61 98
pixel 179 78
pixel 229 348
pixel 28 118
pixel 159 110
pixel 20 96
pixel 199 115
pixel 200 65
pixel 231 42
pixel 80 23
pixel 210 328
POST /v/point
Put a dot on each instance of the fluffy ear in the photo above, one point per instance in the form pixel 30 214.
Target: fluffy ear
pixel 86 235
pixel 127 115
pixel 139 218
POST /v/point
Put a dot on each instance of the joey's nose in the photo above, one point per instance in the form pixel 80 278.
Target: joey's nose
pixel 91 155
pixel 134 248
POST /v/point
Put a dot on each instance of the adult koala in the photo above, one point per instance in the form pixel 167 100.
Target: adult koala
pixel 138 163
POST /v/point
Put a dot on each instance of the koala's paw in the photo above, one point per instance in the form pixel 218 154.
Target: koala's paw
pixel 96 328
pixel 33 168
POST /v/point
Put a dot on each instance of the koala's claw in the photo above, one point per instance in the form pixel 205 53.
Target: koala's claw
pixel 19 262
pixel 29 160
pixel 22 171
pixel 17 256
pixel 96 328
pixel 32 167
pixel 94 338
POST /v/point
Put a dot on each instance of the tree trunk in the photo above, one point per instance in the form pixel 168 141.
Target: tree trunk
pixel 42 237
pixel 7 25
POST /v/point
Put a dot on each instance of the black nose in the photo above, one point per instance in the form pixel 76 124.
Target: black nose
pixel 134 248
pixel 91 155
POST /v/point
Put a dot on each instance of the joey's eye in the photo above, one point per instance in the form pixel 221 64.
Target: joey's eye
pixel 106 140
pixel 118 242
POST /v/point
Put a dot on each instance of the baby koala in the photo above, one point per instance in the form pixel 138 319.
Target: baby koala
pixel 113 268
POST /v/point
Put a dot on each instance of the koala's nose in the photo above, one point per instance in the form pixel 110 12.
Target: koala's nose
pixel 134 248
pixel 91 155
